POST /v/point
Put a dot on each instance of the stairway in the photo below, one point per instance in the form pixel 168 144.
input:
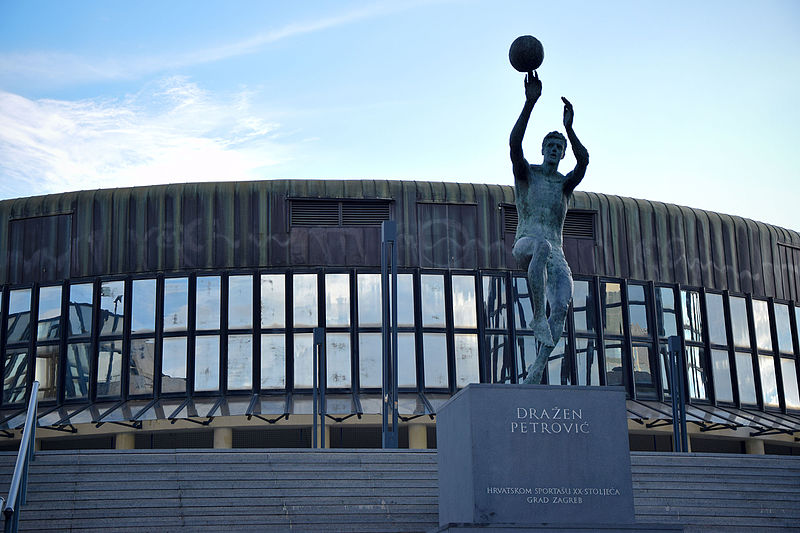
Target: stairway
pixel 345 490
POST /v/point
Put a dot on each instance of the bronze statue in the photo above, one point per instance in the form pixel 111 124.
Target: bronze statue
pixel 542 194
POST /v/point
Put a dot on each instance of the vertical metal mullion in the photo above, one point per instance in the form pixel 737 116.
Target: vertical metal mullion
pixel 63 326
pixel 652 319
pixel 627 363
pixel 222 385
pixel 355 362
pixel 601 326
pixel 127 309
pixel 416 283
pixel 322 321
pixel 570 348
pixel 484 365
pixel 512 324
pixel 256 356
pixel 711 393
pixel 5 293
pixel 34 333
pixel 159 337
pixel 95 338
pixel 191 333
pixel 450 334
pixel 776 353
pixel 726 309
pixel 751 326
pixel 289 331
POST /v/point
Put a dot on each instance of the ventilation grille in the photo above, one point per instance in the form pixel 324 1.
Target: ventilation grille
pixel 577 224
pixel 334 213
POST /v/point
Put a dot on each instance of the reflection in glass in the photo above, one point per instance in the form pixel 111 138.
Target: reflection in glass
pixel 494 302
pixel 305 301
pixel 432 292
pixel 741 334
pixel 558 365
pixel 77 378
pixel 405 301
pixel 666 314
pixel 109 369
pixel 240 362
pixel 173 365
pixel 337 357
pixel 643 378
pixel 273 361
pixel 406 360
pixel 583 306
pixel 501 358
pixel 80 309
pixel 790 390
pixel 49 315
pixel 142 367
pixel 143 306
pixel 240 302
pixel 46 372
pixel 744 373
pixel 783 327
pixel 637 310
pixel 692 318
pixel 716 319
pixel 611 298
pixel 15 375
pixel 208 302
pixel 722 375
pixel 769 383
pixel 303 360
pixel 523 312
pixel 666 369
pixel 369 300
pixel 112 308
pixel 614 371
pixel 19 316
pixel 696 373
pixel 586 365
pixel 206 363
pixel 464 313
pixel 761 321
pixel 466 352
pixel 337 299
pixel 273 301
pixel 370 355
pixel 434 351
pixel 176 304
pixel 526 355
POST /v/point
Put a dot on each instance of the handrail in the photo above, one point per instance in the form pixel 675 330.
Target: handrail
pixel 19 482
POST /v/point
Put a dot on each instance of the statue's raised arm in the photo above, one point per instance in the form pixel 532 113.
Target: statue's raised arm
pixel 574 177
pixel 533 90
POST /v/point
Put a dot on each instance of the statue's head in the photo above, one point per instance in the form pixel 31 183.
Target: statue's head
pixel 554 147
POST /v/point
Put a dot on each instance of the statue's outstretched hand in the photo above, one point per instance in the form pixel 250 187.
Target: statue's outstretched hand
pixel 533 86
pixel 569 113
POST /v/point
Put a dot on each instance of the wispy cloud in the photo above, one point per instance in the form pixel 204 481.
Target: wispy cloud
pixel 170 131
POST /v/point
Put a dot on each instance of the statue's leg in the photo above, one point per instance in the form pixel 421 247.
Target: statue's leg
pixel 537 281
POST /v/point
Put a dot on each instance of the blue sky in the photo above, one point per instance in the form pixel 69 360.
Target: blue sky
pixel 687 102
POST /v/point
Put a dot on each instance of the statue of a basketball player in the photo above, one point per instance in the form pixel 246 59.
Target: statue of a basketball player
pixel 542 194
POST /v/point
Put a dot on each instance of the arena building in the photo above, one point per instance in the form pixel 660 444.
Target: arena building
pixel 182 315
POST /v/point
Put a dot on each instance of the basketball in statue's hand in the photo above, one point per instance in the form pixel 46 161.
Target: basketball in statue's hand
pixel 526 53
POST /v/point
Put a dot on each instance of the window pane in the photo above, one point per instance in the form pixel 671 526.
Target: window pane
pixel 523 312
pixel 741 334
pixel 790 390
pixel 722 375
pixel 586 365
pixel 337 299
pixel 761 321
pixel 19 316
pixel 15 375
pixel 494 302
pixel 49 315
pixel 666 314
pixel 583 307
pixel 747 384
pixel 501 358
pixel 176 304
pixel 46 372
pixel 109 369
pixel 369 301
pixel 273 301
pixel 305 302
pixel 337 358
pixel 240 302
pixel 303 353
pixel 611 298
pixel 240 362
pixel 637 310
pixel 273 361
pixel 464 313
pixel 696 373
pixel 784 328
pixel 666 369
pixel 80 309
pixel 716 319
pixel 434 350
pixel 208 302
pixel 77 378
pixel 370 355
pixel 466 351
pixel 406 360
pixel 614 372
pixel 769 383
pixel 405 300
pixel 112 308
pixel 142 371
pixel 432 300
pixel 206 363
pixel 173 366
pixel 143 304
pixel 642 371
pixel 558 365
pixel 526 355
pixel 692 318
